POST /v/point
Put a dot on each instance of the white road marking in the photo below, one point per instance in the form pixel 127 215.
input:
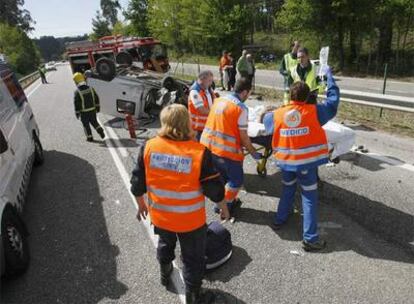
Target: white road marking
pixel 112 134
pixel 176 276
pixel 34 90
pixel 388 161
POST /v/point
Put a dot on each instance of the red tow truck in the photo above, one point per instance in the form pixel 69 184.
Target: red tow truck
pixel 148 51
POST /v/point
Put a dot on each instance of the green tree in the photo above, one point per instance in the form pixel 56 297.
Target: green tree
pixel 50 48
pixel 100 26
pixel 200 26
pixel 20 50
pixel 11 13
pixel 137 14
pixel 110 10
pixel 123 29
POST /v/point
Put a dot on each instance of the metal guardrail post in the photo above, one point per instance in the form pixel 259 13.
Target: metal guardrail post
pixel 385 78
pixel 385 84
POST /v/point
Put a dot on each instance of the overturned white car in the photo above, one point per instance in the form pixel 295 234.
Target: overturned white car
pixel 128 89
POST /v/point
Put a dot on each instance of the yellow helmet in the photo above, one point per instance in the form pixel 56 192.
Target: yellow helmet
pixel 78 78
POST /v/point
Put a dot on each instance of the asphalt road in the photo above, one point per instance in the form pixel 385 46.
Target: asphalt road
pixel 273 79
pixel 87 246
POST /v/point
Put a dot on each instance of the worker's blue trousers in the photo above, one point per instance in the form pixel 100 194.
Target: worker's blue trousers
pixel 308 182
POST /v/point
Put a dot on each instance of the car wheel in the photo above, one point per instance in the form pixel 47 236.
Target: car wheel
pixel 16 248
pixel 169 83
pixel 124 58
pixel 106 68
pixel 39 157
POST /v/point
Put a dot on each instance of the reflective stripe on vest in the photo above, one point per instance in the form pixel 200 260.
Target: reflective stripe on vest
pixel 177 209
pixel 83 100
pixel 301 161
pixel 301 151
pixel 210 141
pixel 220 135
pixel 174 194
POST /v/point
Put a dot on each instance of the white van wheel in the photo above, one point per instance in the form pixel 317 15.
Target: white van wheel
pixel 16 248
pixel 39 157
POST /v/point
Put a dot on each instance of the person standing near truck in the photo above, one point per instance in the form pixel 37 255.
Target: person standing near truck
pixel 86 103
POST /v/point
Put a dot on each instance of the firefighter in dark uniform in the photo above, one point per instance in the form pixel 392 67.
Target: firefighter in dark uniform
pixel 86 106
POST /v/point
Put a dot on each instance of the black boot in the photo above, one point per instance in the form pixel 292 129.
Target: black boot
pixel 101 133
pixel 166 270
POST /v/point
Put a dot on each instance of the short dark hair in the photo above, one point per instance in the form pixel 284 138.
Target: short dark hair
pixel 242 84
pixel 299 91
pixel 225 52
pixel 303 50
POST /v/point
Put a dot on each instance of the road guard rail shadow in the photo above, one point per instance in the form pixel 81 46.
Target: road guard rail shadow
pixel 73 259
pixel 386 222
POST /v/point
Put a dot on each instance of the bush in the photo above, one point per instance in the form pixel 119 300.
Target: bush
pixel 19 49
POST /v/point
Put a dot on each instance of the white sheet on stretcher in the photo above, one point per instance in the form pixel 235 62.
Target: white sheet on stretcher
pixel 340 138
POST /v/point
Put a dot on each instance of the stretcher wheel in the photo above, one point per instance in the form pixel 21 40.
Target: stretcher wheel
pixel 261 172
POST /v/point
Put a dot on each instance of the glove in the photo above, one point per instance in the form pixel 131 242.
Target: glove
pixel 257 155
pixel 326 70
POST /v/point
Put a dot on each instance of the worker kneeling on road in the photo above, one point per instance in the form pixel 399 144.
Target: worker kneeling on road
pixel 300 146
pixel 200 100
pixel 86 106
pixel 225 134
pixel 177 173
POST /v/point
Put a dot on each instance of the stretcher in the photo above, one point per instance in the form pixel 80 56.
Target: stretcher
pixel 340 138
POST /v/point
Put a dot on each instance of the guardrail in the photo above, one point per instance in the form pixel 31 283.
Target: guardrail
pixel 382 101
pixel 29 79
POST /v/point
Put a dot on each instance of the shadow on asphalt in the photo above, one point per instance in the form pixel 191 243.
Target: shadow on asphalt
pixel 389 223
pixel 233 268
pixel 223 297
pixel 73 259
pixel 369 163
pixel 358 127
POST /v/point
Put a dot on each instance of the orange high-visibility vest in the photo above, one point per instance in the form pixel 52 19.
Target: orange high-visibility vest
pixel 172 172
pixel 221 134
pixel 299 142
pixel 198 120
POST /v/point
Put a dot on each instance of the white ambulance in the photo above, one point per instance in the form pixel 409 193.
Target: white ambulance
pixel 20 149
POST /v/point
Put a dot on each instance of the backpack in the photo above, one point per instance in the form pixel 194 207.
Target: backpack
pixel 219 246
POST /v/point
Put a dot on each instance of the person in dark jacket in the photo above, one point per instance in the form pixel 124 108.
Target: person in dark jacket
pixel 86 103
